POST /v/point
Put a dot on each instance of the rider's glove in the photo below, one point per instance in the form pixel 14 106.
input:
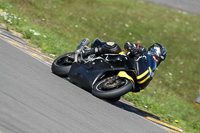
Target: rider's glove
pixel 128 46
pixel 132 48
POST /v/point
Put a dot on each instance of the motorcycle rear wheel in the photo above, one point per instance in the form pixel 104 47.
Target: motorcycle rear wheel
pixel 62 65
pixel 114 91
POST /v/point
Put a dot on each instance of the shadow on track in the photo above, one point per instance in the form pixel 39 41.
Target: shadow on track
pixel 122 104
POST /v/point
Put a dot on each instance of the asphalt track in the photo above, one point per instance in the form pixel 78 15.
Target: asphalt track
pixel 190 6
pixel 33 100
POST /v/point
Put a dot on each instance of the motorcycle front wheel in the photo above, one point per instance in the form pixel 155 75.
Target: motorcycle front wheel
pixel 111 90
pixel 61 66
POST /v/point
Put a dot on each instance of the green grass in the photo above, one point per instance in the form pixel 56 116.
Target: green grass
pixel 62 24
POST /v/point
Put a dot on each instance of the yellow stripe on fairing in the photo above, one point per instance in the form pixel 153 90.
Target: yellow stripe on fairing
pixel 125 75
pixel 122 53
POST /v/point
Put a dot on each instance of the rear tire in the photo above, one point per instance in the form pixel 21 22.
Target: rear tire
pixel 62 65
pixel 117 91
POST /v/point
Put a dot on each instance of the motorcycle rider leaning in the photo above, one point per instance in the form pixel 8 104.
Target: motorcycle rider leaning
pixel 142 74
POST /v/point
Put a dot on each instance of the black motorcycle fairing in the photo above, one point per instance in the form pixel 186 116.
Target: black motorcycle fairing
pixel 87 73
pixel 120 61
pixel 84 75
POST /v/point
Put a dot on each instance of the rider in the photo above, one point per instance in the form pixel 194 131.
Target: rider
pixel 143 70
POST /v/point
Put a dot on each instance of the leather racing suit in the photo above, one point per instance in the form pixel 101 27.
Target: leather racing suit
pixel 144 65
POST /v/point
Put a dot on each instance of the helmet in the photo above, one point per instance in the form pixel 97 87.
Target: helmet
pixel 158 51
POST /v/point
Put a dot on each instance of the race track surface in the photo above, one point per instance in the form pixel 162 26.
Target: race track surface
pixel 33 100
pixel 191 6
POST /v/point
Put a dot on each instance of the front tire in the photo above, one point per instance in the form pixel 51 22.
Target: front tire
pixel 62 65
pixel 118 88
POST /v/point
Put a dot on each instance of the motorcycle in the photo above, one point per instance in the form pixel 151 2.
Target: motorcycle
pixel 106 74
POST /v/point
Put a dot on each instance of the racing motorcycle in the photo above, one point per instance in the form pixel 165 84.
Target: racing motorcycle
pixel 106 74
